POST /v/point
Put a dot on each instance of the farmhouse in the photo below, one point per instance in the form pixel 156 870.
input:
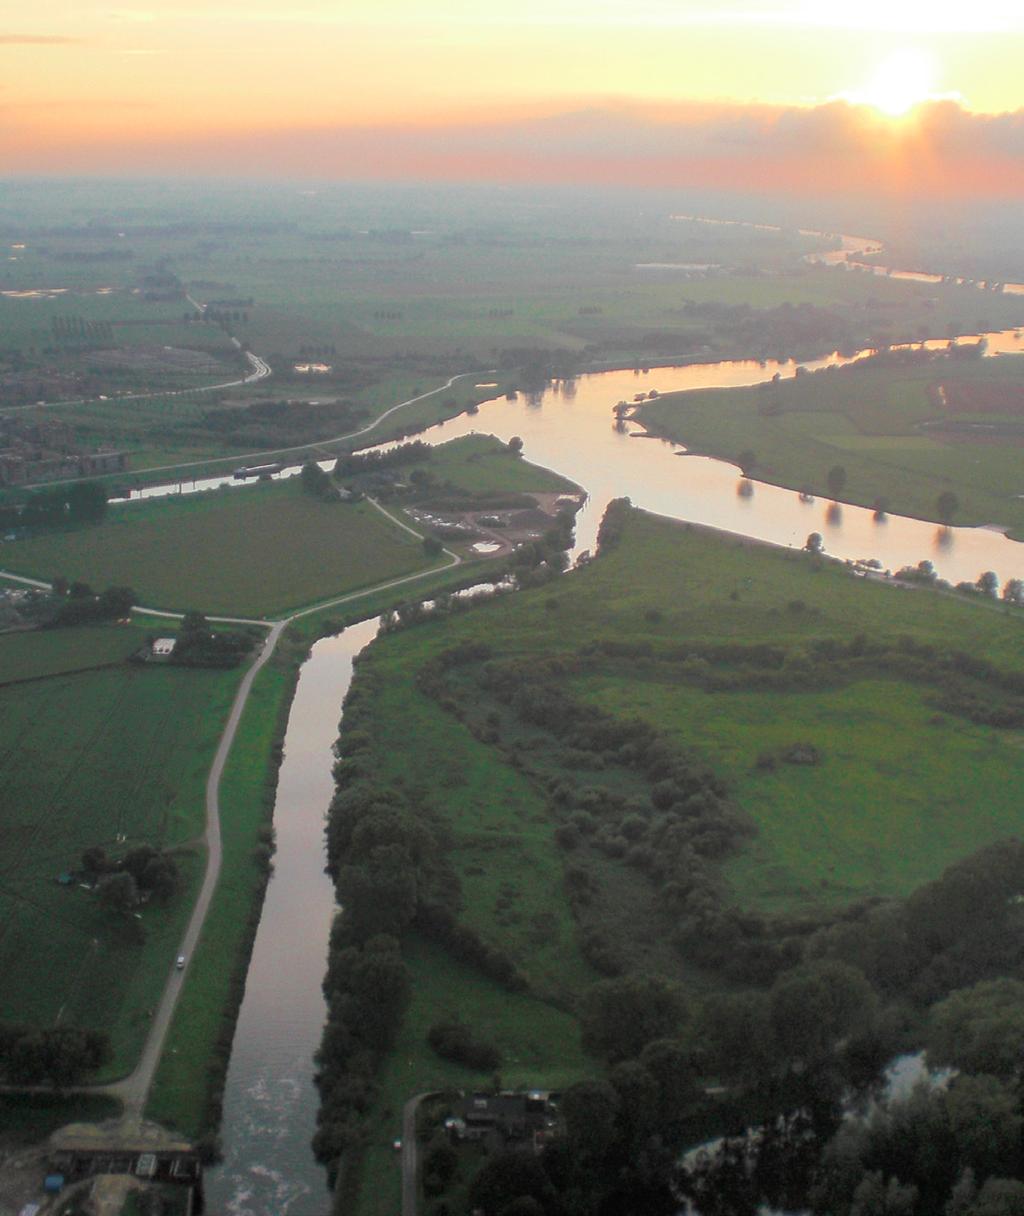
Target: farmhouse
pixel 503 1118
pixel 163 648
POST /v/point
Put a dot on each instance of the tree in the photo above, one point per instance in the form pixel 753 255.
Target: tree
pixel 815 1005
pixel 432 547
pixel 988 583
pixel 836 480
pixel 999 1197
pixel 1013 591
pixel 515 445
pixel 315 481
pixel 814 543
pixel 58 1056
pixel 507 1177
pixel 979 1029
pixel 947 505
pixel 619 1017
pixel 747 460
pixel 876 1197
pixel 118 892
pixel 87 501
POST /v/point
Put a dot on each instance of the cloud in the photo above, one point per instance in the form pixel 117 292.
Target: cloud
pixel 37 40
pixel 940 149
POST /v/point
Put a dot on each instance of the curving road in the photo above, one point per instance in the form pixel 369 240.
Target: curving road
pixel 133 1089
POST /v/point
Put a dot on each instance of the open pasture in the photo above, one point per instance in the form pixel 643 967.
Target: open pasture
pixel 884 425
pixel 91 759
pixel 254 551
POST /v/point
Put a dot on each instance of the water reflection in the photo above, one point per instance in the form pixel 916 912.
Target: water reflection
pixel 577 436
pixel 270 1101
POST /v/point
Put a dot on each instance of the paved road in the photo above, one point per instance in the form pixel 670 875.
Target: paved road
pixel 259 370
pixel 133 1090
pixel 410 1155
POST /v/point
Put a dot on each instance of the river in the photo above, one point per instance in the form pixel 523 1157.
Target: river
pixel 270 1100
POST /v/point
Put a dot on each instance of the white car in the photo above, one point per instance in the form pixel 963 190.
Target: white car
pixel 180 962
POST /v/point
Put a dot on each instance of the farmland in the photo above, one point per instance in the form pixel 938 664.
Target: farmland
pixel 392 296
pixel 882 423
pixel 232 551
pixel 93 759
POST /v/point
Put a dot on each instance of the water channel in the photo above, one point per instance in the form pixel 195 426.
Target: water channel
pixel 270 1101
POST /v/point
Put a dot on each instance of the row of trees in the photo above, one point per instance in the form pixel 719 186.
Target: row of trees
pixel 76 502
pixel 57 1056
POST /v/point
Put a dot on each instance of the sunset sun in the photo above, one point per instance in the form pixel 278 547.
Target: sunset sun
pixel 900 82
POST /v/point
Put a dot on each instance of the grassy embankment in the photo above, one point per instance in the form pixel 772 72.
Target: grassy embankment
pixel 187 1088
pixel 901 791
pixel 258 551
pixel 867 419
pixel 89 758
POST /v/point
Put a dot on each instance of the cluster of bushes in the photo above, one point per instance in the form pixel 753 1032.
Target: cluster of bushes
pixel 388 854
pixel 455 1041
pixel 78 604
pixel 266 423
pixel 316 483
pixel 966 684
pixel 352 464
pixel 198 646
pixel 142 870
pixel 58 1056
pixel 367 989
pixel 77 502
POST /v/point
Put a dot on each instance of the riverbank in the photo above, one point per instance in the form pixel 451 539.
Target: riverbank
pixel 732 652
pixel 896 441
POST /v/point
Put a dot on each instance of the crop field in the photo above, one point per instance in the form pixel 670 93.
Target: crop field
pixel 247 552
pixel 88 759
pixel 26 321
pixel 874 421
pixel 49 652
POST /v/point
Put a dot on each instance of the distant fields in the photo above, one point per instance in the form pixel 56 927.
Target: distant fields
pixel 86 758
pixel 254 551
pixel 869 420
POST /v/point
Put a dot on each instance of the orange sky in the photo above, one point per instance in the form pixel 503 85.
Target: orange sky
pixel 84 82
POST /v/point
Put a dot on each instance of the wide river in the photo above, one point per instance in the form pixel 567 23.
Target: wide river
pixel 270 1100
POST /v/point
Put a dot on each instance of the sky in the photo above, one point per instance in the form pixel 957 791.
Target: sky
pixel 207 83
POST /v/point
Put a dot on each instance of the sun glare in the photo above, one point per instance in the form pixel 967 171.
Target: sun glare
pixel 899 83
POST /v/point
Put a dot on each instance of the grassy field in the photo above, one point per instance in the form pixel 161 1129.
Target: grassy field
pixel 541 1049
pixel 232 552
pixel 49 652
pixel 481 464
pixel 199 1041
pixel 88 758
pixel 869 420
pixel 901 792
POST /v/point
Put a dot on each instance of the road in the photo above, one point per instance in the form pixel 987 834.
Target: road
pixel 133 1090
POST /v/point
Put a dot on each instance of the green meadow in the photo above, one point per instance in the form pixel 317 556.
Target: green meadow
pixel 870 420
pixel 902 790
pixel 260 550
pixel 117 758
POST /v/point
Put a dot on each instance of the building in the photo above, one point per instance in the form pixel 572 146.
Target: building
pixel 504 1118
pixel 163 648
